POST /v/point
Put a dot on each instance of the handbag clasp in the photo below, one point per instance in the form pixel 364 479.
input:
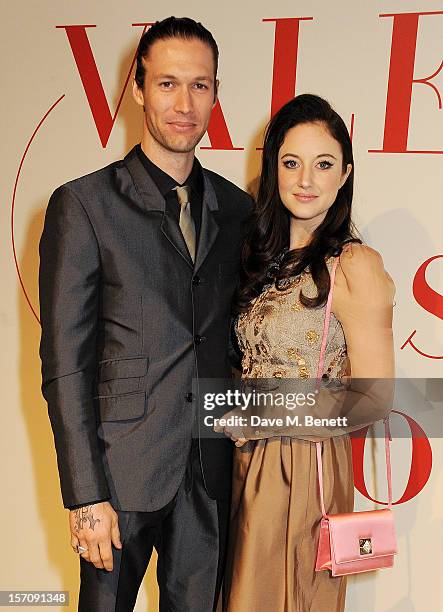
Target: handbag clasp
pixel 365 546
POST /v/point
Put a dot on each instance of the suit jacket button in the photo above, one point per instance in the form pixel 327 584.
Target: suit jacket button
pixel 196 280
pixel 189 397
pixel 199 339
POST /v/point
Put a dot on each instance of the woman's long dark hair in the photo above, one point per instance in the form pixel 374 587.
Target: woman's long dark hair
pixel 267 234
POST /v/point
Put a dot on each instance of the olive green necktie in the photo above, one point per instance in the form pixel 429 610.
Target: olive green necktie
pixel 186 222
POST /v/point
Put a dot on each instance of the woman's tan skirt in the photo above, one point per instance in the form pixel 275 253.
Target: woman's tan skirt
pixel 275 525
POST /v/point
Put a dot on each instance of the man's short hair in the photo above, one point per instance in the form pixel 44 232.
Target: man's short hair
pixel 172 27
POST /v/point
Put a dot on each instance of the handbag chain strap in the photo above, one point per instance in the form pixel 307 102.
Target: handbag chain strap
pixel 321 363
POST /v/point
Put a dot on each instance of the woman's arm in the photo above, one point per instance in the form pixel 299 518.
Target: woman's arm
pixel 362 301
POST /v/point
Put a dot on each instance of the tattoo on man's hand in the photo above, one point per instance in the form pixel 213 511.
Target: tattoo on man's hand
pixel 83 516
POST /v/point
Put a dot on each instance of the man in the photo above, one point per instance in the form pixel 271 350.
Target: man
pixel 138 266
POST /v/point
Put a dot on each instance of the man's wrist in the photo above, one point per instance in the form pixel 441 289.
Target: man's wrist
pixel 77 506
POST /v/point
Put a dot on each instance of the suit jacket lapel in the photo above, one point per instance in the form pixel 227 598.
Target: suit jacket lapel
pixel 172 231
pixel 152 200
pixel 209 226
pixel 134 181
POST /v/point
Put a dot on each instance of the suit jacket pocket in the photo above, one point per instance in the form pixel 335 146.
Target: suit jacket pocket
pixel 122 407
pixel 126 367
pixel 123 375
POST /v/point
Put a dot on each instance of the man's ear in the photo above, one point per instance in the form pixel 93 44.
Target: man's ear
pixel 137 94
pixel 216 85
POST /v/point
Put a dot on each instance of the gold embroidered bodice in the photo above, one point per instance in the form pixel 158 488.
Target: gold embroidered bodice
pixel 281 338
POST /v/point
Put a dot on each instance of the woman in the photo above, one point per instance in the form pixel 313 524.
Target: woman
pixel 300 225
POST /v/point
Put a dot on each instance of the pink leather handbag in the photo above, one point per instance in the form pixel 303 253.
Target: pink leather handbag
pixel 354 542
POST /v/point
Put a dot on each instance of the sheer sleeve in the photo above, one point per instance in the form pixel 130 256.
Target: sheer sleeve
pixel 363 303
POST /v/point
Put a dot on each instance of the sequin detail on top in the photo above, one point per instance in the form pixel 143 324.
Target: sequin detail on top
pixel 281 338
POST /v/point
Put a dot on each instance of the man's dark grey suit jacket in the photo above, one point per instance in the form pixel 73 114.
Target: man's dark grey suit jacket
pixel 127 322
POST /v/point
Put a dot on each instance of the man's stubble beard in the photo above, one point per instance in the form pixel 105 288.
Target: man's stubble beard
pixel 171 144
pixel 174 147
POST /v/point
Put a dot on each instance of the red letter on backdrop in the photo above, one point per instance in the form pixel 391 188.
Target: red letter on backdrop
pixel 428 299
pixel 424 295
pixel 92 84
pixel 285 60
pixel 421 461
pixel 218 132
pixel 401 79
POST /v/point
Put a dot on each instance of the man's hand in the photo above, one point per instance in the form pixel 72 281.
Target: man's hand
pixel 95 527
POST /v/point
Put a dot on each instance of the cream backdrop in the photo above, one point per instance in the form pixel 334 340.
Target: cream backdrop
pixel 343 54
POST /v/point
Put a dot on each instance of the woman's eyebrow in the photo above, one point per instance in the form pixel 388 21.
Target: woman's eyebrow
pixel 321 155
